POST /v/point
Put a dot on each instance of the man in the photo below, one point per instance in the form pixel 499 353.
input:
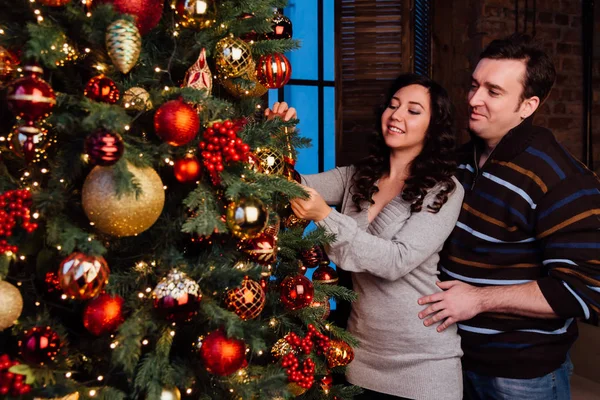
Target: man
pixel 523 261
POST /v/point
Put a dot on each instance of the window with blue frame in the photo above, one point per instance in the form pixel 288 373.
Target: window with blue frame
pixel 311 90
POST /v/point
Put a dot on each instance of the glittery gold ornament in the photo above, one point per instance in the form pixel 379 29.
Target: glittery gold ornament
pixel 339 353
pixel 170 394
pixel 137 98
pixel 252 88
pixel 270 160
pixel 196 14
pixel 82 276
pixel 247 217
pixel 12 304
pixel 247 300
pixel 281 348
pixel 124 43
pixel 296 389
pixel 233 57
pixel 126 215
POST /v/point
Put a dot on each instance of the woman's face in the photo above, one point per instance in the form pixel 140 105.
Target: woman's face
pixel 405 121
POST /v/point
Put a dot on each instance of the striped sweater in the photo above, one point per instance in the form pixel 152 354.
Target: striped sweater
pixel 531 213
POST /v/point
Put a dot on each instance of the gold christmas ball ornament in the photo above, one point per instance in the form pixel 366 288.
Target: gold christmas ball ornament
pixel 196 14
pixel 253 88
pixel 170 394
pixel 339 354
pixel 137 98
pixel 127 215
pixel 270 160
pixel 12 305
pixel 247 217
pixel 124 44
pixel 233 57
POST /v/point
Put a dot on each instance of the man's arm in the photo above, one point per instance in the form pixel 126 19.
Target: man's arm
pixel 568 231
pixel 460 301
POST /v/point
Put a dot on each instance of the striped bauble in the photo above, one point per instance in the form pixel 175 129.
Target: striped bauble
pixel 273 70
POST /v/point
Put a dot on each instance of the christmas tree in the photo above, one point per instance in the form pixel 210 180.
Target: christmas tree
pixel 147 245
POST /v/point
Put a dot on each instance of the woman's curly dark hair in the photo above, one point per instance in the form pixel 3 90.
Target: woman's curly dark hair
pixel 435 164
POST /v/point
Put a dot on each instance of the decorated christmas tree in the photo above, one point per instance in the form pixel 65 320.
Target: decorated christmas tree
pixel 147 245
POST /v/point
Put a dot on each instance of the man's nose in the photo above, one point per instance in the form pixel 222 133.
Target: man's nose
pixel 475 97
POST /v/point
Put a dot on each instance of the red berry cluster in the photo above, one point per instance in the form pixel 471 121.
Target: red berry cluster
pixel 304 376
pixel 14 204
pixel 220 145
pixel 10 382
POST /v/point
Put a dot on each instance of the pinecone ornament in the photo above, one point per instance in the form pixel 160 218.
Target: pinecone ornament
pixel 124 43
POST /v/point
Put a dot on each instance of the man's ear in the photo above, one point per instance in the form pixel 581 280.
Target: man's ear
pixel 529 106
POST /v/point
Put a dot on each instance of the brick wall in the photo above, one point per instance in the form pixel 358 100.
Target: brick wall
pixel 464 27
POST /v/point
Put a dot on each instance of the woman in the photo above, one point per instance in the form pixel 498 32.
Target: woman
pixel 396 209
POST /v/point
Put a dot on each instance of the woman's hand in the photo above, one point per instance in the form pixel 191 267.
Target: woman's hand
pixel 281 110
pixel 314 208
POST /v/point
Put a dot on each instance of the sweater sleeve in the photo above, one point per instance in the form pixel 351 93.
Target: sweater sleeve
pixel 331 185
pixel 420 237
pixel 568 229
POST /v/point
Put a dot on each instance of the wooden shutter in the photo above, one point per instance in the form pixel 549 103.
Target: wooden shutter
pixel 373 46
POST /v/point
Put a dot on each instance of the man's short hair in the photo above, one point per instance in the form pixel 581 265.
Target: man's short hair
pixel 540 73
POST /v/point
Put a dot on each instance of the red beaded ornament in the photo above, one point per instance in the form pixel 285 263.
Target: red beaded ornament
pixel 222 355
pixel 10 382
pixel 104 148
pixel 221 145
pixel 187 169
pixel 103 89
pixel 176 122
pixel 296 292
pixel 104 314
pixel 14 208
pixel 303 374
pixel 82 276
pixel 39 345
pixel 273 71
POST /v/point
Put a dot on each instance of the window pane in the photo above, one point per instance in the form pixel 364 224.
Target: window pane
pixel 328 40
pixel 303 14
pixel 329 142
pixel 304 99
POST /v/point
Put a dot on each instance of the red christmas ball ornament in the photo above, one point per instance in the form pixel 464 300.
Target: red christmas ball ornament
pixel 39 345
pixel 296 292
pixel 249 36
pixel 273 71
pixel 176 122
pixel 82 276
pixel 11 383
pixel 102 89
pixel 247 300
pixel 104 148
pixel 312 257
pixel 187 169
pixel 325 275
pixel 176 297
pixel 261 249
pixel 30 97
pixel 104 314
pixel 281 28
pixel 222 355
pixel 147 13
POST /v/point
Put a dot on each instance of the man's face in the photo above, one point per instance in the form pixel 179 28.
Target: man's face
pixel 494 98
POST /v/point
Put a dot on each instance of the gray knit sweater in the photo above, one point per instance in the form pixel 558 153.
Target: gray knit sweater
pixel 393 261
